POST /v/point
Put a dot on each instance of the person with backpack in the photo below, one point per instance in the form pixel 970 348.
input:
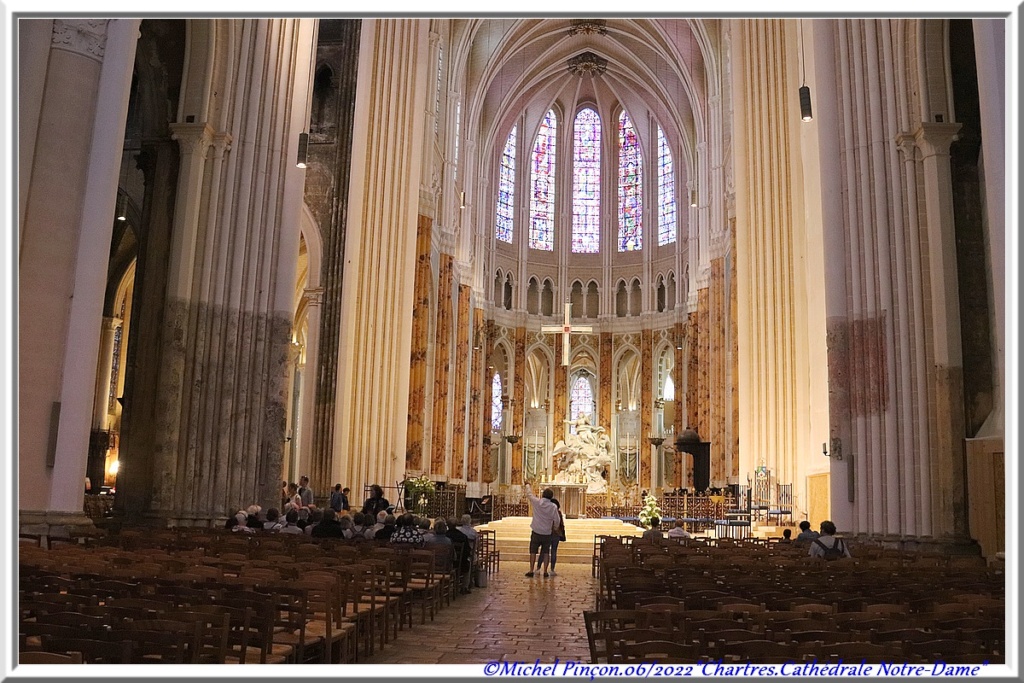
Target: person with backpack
pixel 827 546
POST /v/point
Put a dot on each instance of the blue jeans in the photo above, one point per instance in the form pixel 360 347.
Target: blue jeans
pixel 555 540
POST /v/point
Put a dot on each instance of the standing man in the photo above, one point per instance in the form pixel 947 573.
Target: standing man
pixel 345 506
pixel 305 493
pixel 337 499
pixel 546 519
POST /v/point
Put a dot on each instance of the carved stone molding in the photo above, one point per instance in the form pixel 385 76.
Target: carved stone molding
pixel 314 295
pixel 588 27
pixel 587 63
pixel 87 37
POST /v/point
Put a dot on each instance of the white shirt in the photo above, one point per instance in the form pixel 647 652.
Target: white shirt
pixel 678 532
pixel 545 515
pixel 828 541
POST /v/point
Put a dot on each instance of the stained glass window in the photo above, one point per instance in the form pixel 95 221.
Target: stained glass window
pixel 542 186
pixel 115 363
pixel 496 411
pixel 631 203
pixel 437 94
pixel 669 394
pixel 666 193
pixel 586 182
pixel 581 400
pixel 505 211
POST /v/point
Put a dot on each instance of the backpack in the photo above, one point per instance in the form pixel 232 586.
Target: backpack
pixel 836 552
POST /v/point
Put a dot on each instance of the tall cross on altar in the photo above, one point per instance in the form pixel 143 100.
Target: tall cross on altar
pixel 565 329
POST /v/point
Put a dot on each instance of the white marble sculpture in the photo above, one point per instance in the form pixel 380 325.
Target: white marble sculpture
pixel 583 456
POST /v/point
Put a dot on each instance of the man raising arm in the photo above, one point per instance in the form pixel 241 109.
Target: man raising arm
pixel 545 522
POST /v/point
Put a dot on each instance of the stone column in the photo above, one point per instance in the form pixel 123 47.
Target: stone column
pixel 90 66
pixel 488 474
pixel 380 252
pixel 318 472
pixel 948 467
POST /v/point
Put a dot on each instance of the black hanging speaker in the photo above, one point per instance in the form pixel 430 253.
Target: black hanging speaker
pixel 805 103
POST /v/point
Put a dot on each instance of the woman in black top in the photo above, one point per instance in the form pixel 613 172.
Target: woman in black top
pixel 376 502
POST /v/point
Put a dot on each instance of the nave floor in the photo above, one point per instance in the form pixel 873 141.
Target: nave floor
pixel 514 619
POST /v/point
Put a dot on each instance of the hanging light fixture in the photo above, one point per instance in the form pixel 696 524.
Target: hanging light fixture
pixel 693 198
pixel 303 150
pixel 805 91
pixel 121 203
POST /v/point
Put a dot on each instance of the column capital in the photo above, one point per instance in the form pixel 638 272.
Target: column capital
pixel 111 323
pixel 935 138
pixel 314 295
pixel 86 37
pixel 193 138
pixel 907 145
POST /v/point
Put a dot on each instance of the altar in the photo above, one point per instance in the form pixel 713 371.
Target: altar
pixel 571 497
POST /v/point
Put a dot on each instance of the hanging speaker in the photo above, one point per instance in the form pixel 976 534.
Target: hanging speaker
pixel 805 103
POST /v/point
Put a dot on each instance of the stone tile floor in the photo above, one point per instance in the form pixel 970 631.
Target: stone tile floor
pixel 514 619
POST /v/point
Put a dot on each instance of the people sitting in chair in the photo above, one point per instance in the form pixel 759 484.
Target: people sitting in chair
pixel 291 523
pixel 385 532
pixel 654 534
pixel 678 531
pixel 806 535
pixel 329 526
pixel 827 546
pixel 787 536
pixel 407 531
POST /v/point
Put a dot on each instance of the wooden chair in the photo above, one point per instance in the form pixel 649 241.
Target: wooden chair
pixel 761 651
pixel 49 658
pixel 599 622
pixel 91 651
pixel 659 651
pixel 615 641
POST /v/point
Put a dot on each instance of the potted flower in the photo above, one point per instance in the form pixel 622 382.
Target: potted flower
pixel 417 493
pixel 649 511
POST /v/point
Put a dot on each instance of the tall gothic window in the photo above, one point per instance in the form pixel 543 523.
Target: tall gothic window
pixel 505 212
pixel 581 399
pixel 458 123
pixel 496 407
pixel 666 193
pixel 586 182
pixel 542 185
pixel 631 203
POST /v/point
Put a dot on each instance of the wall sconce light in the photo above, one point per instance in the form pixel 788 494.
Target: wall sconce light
pixel 303 150
pixel 693 197
pixel 837 450
pixel 805 104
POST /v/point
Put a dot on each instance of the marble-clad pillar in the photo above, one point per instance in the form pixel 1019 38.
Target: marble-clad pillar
pixel 461 388
pixel 703 365
pixel 646 406
pixel 605 374
pixel 442 363
pixel 561 407
pixel 518 404
pixel 716 361
pixel 692 372
pixel 477 402
pixel 488 473
pixel 678 368
pixel 420 340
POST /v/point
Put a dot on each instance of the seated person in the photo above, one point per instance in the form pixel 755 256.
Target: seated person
pixel 329 526
pixel 827 546
pixel 806 535
pixel 678 531
pixel 274 521
pixel 291 523
pixel 384 533
pixel 654 534
pixel 787 536
pixel 407 531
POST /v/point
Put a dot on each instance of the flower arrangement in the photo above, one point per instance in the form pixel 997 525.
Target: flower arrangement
pixel 649 511
pixel 419 485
